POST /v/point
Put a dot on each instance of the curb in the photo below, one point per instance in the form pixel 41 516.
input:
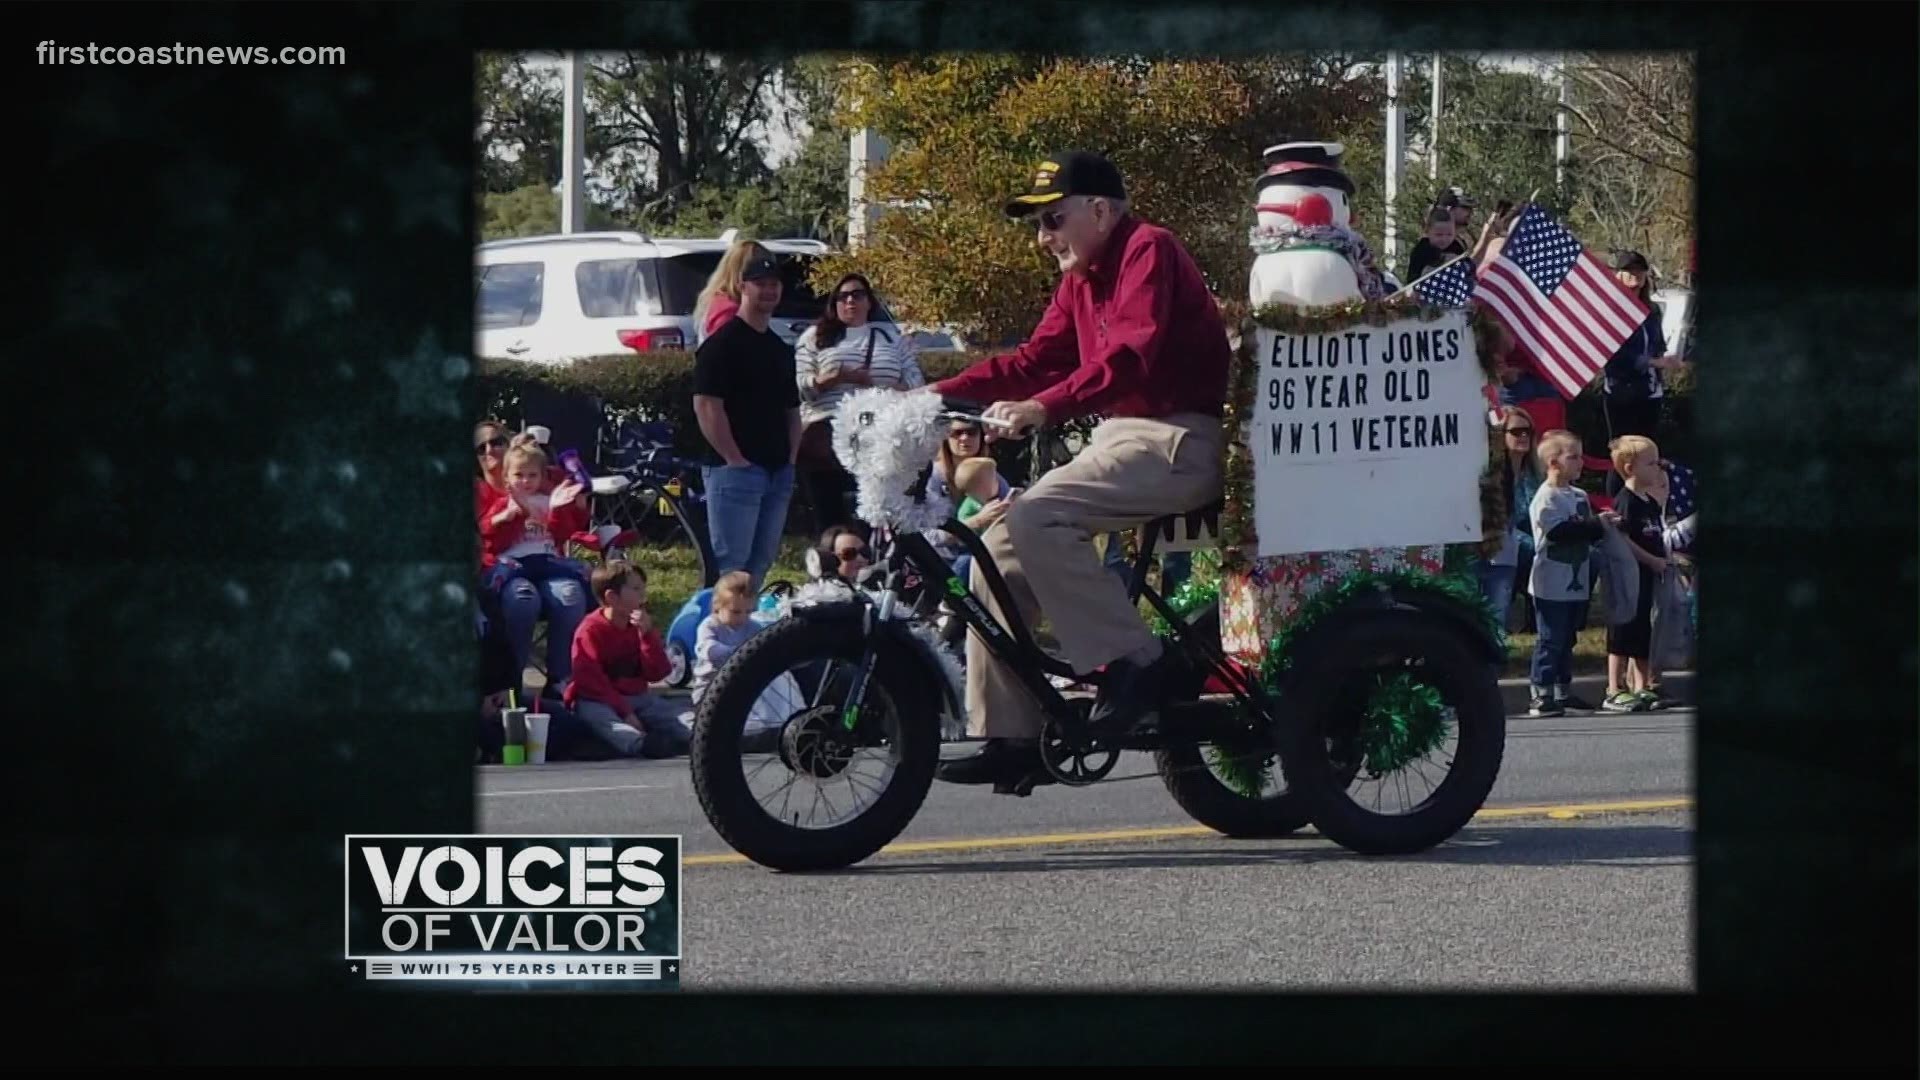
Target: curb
pixel 1677 684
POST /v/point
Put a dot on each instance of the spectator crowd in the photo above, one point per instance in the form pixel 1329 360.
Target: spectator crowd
pixel 766 413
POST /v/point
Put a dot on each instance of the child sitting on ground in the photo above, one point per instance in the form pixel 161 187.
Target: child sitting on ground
pixel 1639 514
pixel 727 626
pixel 617 657
pixel 1565 530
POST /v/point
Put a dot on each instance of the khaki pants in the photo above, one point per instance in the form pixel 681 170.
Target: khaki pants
pixel 1131 472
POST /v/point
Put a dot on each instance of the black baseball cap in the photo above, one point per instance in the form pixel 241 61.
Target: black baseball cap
pixel 759 268
pixel 1076 172
pixel 1453 197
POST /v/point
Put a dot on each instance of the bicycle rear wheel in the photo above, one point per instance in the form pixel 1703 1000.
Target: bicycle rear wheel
pixel 1394 732
pixel 1236 788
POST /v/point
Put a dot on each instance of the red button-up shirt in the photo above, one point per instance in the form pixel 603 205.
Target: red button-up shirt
pixel 1139 335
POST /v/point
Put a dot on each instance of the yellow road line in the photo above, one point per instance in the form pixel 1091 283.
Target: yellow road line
pixel 985 843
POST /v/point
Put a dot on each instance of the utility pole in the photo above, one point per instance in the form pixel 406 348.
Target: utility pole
pixel 1433 129
pixel 867 151
pixel 1396 150
pixel 1563 135
pixel 573 147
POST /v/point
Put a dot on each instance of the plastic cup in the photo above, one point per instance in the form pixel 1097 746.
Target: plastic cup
pixel 514 750
pixel 537 738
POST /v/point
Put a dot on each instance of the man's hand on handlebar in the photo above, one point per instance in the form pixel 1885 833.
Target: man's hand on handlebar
pixel 1018 417
pixel 997 426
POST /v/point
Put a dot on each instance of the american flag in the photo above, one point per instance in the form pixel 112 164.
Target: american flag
pixel 1566 310
pixel 1448 287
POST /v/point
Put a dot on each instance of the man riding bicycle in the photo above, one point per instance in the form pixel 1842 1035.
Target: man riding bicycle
pixel 1132 334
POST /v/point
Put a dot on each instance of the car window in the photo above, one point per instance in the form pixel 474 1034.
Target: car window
pixel 797 298
pixel 683 276
pixel 612 288
pixel 510 295
pixel 681 279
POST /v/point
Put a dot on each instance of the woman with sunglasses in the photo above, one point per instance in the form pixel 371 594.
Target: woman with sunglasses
pixel 843 351
pixel 1520 477
pixel 964 440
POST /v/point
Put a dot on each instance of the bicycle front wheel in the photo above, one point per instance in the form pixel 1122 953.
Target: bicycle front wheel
pixel 787 774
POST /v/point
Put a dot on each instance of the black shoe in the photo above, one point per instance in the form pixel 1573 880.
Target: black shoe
pixel 1000 762
pixel 1130 693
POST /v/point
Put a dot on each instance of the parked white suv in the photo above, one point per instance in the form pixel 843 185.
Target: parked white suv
pixel 558 298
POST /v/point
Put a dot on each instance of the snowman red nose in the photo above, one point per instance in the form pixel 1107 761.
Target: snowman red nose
pixel 1313 210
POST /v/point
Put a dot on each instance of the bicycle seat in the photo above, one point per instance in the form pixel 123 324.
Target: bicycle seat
pixel 1199 527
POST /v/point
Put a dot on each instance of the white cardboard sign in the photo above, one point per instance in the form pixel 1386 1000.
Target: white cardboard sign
pixel 1368 437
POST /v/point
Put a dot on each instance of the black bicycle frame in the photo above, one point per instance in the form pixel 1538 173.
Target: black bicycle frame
pixel 1014 644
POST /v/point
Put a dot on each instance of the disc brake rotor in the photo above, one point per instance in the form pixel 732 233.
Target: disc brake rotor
pixel 815 744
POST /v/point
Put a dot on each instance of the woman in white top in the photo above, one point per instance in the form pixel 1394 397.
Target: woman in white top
pixel 845 350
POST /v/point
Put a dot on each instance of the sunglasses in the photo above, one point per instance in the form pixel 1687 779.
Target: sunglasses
pixel 1051 220
pixel 853 294
pixel 855 553
pixel 495 443
pixel 1520 431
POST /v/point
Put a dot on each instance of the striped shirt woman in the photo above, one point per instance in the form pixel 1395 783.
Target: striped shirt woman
pixel 872 349
pixel 844 351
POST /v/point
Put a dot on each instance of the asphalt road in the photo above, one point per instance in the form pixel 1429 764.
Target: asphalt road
pixel 1578 876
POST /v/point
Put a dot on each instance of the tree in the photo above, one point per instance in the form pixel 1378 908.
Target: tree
pixel 685 118
pixel 533 210
pixel 967 131
pixel 520 111
pixel 1632 125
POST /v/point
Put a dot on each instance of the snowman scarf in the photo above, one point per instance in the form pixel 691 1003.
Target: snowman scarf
pixel 1270 239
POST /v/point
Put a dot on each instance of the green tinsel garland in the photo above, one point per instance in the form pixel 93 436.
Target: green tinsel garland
pixel 1458 586
pixel 1405 721
pixel 1191 597
pixel 1246 773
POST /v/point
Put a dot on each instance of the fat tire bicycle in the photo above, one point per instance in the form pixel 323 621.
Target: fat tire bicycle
pixel 860 679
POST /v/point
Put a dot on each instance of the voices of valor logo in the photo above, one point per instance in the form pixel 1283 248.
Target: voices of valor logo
pixel 583 912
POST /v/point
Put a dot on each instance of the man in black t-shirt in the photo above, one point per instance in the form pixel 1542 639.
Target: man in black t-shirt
pixel 748 404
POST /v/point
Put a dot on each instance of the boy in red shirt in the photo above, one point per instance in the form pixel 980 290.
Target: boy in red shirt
pixel 617 657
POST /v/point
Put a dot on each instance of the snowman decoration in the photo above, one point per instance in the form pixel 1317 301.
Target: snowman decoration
pixel 1307 252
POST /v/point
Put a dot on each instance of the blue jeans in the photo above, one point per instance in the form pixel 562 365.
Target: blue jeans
pixel 746 513
pixel 1553 652
pixel 1496 586
pixel 662 733
pixel 537 587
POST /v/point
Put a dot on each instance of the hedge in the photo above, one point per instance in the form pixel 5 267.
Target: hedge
pixel 652 385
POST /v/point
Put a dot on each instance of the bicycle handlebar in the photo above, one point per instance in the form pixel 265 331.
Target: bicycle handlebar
pixel 971 411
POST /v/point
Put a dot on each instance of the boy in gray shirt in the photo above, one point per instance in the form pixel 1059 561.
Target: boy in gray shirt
pixel 1565 529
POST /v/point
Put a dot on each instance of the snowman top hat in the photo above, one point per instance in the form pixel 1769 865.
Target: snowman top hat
pixel 1304 164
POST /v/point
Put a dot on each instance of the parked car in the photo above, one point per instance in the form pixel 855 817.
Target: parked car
pixel 558 298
